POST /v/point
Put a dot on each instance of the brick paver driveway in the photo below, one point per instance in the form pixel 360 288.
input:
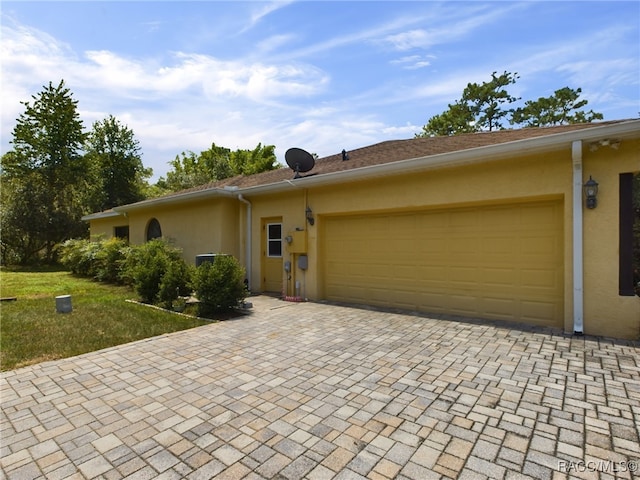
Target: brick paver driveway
pixel 320 391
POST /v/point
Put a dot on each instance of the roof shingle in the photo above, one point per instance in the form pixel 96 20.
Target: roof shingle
pixel 396 150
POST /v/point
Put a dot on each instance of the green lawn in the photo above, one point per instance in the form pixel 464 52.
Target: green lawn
pixel 31 331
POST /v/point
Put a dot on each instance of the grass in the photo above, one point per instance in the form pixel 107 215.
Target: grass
pixel 31 331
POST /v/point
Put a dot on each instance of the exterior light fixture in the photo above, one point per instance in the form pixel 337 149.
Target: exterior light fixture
pixel 590 192
pixel 309 215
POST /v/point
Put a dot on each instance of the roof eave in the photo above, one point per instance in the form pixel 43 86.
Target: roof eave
pixel 176 199
pixel 451 159
pixel 100 216
pixel 457 158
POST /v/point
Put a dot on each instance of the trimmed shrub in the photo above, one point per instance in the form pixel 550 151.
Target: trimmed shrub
pixel 145 267
pixel 176 282
pixel 219 286
pixel 108 260
pixel 155 270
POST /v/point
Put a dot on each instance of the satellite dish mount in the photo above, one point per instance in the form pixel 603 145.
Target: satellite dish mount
pixel 299 161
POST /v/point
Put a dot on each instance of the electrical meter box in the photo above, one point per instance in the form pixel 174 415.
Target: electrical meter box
pixel 299 242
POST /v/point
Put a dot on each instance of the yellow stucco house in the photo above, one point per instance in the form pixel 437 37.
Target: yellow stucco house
pixel 491 225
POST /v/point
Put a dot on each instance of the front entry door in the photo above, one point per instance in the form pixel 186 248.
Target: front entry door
pixel 272 268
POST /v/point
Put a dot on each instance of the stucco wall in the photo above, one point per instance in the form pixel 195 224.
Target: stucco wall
pixel 531 177
pixel 290 205
pixel 605 312
pixel 210 226
pixel 105 227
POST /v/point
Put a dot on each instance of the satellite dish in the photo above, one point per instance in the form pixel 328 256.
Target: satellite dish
pixel 299 160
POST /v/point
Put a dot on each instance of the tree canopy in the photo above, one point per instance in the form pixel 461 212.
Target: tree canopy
pixel 117 169
pixel 57 172
pixel 44 177
pixel 561 108
pixel 486 106
pixel 216 163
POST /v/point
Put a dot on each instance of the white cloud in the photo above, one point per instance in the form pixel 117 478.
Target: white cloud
pixel 273 43
pixel 448 25
pixel 265 90
pixel 182 102
pixel 411 39
pixel 264 10
pixel 413 62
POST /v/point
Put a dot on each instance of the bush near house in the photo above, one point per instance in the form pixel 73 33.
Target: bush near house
pixel 79 256
pixel 157 272
pixel 219 286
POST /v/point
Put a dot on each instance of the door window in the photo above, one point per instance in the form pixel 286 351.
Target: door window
pixel 274 240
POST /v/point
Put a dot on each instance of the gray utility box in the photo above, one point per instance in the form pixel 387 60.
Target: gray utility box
pixel 208 257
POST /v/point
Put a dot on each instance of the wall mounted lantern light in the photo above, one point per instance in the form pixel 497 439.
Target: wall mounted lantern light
pixel 590 192
pixel 309 215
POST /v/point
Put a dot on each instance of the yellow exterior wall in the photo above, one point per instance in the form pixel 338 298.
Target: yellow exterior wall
pixel 209 226
pixel 105 227
pixel 605 312
pixel 530 178
pixel 290 205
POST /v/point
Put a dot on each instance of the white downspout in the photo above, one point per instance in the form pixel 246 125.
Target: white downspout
pixel 578 296
pixel 248 242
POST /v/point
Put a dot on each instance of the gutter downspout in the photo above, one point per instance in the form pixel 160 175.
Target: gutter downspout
pixel 578 294
pixel 248 242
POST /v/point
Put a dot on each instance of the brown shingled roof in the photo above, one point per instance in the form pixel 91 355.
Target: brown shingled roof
pixel 396 150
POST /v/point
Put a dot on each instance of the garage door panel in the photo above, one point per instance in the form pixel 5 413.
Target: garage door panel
pixel 461 304
pixel 462 278
pixel 500 308
pixel 540 279
pixel 538 312
pixel 500 277
pixel 538 245
pixel 499 246
pixel 403 272
pixel 501 261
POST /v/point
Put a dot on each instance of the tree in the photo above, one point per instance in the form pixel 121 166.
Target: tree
pixel 47 168
pixel 487 101
pixel 481 108
pixel 23 218
pixel 561 108
pixel 458 119
pixel 114 155
pixel 191 170
pixel 216 163
pixel 248 162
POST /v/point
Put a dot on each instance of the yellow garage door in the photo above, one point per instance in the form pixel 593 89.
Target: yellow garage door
pixel 498 262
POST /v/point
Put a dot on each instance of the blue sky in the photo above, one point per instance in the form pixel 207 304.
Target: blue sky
pixel 322 76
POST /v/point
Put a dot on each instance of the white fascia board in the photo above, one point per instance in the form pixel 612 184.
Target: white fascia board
pixel 458 158
pixel 100 215
pixel 177 199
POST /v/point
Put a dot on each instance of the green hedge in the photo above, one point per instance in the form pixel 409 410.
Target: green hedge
pixel 157 272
